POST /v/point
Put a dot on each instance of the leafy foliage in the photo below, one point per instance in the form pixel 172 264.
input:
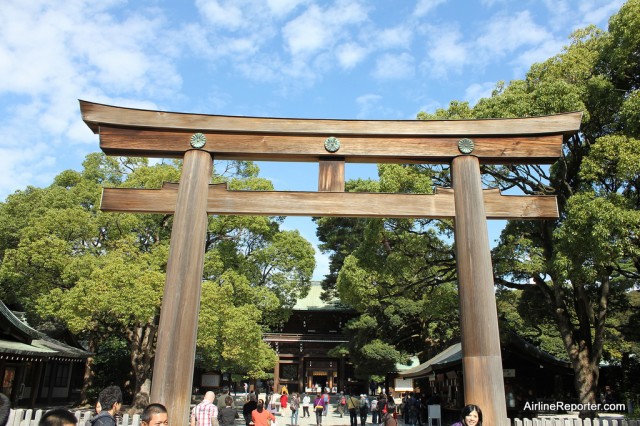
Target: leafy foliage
pixel 559 281
pixel 397 274
pixel 102 274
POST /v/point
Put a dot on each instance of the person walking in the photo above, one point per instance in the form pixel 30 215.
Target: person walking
pixel 228 415
pixel 284 401
pixel 248 407
pixel 294 406
pixel 471 415
pixel 58 417
pixel 353 404
pixel 389 417
pixel 220 403
pixel 261 416
pixel 364 409
pixel 325 398
pixel 342 404
pixel 205 413
pixel 318 406
pixel 306 401
pixel 374 411
pixel 110 400
pixel 154 415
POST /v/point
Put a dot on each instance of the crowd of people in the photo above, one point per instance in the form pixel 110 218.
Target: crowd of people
pixel 358 407
pixel 222 411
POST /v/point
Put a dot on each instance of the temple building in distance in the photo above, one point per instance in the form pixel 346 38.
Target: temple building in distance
pixel 303 344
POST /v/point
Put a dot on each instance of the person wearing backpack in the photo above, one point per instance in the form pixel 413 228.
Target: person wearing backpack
pixel 364 409
pixel 353 404
pixel 374 411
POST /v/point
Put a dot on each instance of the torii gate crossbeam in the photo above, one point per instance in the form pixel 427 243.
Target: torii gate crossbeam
pixel 197 138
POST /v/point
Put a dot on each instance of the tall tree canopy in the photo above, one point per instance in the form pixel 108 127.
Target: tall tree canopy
pixel 102 274
pixel 581 266
pixel 398 274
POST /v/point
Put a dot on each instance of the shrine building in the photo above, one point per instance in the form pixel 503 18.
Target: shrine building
pixel 303 344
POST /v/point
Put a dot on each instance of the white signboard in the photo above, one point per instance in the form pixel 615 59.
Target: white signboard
pixel 403 385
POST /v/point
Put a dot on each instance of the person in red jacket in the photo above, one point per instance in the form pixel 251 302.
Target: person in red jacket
pixel 284 399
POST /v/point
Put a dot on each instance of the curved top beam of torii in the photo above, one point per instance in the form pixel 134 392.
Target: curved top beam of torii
pixel 147 133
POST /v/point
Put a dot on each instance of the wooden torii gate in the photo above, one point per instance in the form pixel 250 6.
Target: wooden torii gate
pixel 197 139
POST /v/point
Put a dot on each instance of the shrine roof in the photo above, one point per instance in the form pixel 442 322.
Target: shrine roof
pixel 510 342
pixel 18 338
pixel 313 301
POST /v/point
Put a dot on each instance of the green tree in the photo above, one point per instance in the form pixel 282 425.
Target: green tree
pixel 587 260
pixel 230 329
pixel 569 273
pixel 102 274
pixel 398 274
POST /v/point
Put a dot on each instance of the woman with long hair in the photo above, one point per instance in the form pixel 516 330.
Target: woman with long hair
pixel 471 415
pixel 260 416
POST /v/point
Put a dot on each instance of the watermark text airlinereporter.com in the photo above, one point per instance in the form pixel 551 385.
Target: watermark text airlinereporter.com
pixel 562 406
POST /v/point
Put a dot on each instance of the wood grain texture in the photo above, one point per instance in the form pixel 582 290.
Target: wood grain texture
pixel 482 363
pixel 484 387
pixel 97 115
pixel 522 149
pixel 331 176
pixel 176 344
pixel 341 204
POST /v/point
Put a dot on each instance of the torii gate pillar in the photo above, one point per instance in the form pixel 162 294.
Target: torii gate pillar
pixel 481 360
pixel 174 363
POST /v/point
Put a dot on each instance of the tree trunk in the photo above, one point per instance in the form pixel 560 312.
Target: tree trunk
pixel 582 341
pixel 142 342
pixel 586 381
pixel 87 382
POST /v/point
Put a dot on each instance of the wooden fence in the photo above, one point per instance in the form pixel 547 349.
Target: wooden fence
pixel 32 417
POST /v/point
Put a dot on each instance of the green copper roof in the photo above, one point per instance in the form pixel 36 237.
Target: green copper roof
pixel 313 302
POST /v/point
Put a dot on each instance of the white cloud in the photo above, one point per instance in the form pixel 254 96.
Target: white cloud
pixel 491 3
pixel 283 7
pixel 560 14
pixel 506 33
pixel 371 107
pixel 366 104
pixel 476 91
pixel 226 14
pixel 446 52
pixel 598 14
pixel 523 61
pixel 350 54
pixel 423 7
pixel 53 53
pixel 319 29
pixel 307 33
pixel 394 66
pixel 398 37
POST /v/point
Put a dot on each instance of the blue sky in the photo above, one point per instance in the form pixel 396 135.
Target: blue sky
pixel 376 59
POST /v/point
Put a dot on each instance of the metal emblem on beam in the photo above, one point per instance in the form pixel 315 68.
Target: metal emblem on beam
pixel 332 144
pixel 466 145
pixel 198 140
